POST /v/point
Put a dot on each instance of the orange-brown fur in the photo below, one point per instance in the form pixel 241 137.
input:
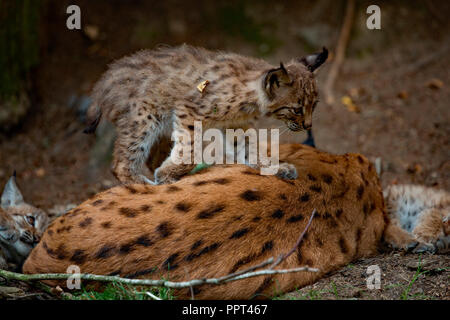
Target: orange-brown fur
pixel 223 220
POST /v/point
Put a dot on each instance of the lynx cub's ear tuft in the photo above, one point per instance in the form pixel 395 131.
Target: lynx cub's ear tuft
pixel 11 195
pixel 275 78
pixel 314 61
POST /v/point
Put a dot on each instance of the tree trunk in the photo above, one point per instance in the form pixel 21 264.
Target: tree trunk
pixel 19 49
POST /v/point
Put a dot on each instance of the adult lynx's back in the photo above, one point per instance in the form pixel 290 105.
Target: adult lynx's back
pixel 223 220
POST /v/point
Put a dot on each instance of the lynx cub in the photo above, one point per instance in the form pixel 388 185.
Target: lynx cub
pixel 419 218
pixel 21 226
pixel 154 93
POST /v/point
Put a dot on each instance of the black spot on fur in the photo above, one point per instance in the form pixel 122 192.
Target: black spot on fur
pixel 97 202
pixel 315 188
pixel 144 241
pixel 240 233
pixel 183 206
pixel 105 252
pixel 61 252
pixel 256 219
pixel 264 285
pixel 78 257
pixel 197 244
pixel 328 179
pixel 358 235
pixel 208 213
pixel 169 263
pixel 200 183
pixel 126 248
pixel 360 159
pixel 131 189
pixel 278 214
pixel 366 208
pixel 295 218
pixel 173 189
pixel 251 195
pixel 128 212
pixel 327 215
pixel 242 262
pixel 85 222
pixel 191 127
pixel 221 181
pixel 360 192
pixel 282 196
pixel 140 273
pixel 311 177
pixel 146 208
pixel 319 242
pixel 106 225
pixel 343 246
pixel 164 229
pixel 339 212
pixel 304 197
pixel 252 173
pixel 267 246
pixel 205 250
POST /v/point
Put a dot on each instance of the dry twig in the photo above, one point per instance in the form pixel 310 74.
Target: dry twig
pixel 244 274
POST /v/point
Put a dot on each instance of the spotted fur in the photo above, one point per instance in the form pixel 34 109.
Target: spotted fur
pixel 212 229
pixel 154 93
pixel 420 218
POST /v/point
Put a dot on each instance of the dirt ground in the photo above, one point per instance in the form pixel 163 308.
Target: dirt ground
pixel 397 77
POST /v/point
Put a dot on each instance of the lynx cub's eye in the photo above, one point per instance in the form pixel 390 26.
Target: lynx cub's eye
pixel 31 220
pixel 298 111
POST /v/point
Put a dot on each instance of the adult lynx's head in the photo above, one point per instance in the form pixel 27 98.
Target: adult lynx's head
pixel 291 91
pixel 21 224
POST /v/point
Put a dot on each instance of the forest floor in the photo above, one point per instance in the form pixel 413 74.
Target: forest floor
pixel 403 118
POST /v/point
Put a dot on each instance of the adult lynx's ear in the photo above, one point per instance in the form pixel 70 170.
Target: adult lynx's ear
pixel 11 194
pixel 314 61
pixel 274 78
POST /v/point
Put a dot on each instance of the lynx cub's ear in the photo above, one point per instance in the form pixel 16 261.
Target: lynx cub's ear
pixel 274 78
pixel 11 194
pixel 314 61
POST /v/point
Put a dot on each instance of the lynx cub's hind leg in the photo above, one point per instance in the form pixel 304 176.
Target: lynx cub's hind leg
pixel 132 147
pixel 169 171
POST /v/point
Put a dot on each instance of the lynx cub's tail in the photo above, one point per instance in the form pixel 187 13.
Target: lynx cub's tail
pixel 94 115
pixel 419 218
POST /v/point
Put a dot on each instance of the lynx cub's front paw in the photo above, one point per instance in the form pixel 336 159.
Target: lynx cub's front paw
pixel 164 176
pixel 287 171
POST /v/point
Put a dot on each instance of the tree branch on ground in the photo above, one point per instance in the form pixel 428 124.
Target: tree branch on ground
pixel 243 274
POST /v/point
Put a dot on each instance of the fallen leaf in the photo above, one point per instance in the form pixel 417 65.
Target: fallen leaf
pixel 414 168
pixel 348 102
pixel 402 95
pixel 91 32
pixel 39 172
pixel 435 84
